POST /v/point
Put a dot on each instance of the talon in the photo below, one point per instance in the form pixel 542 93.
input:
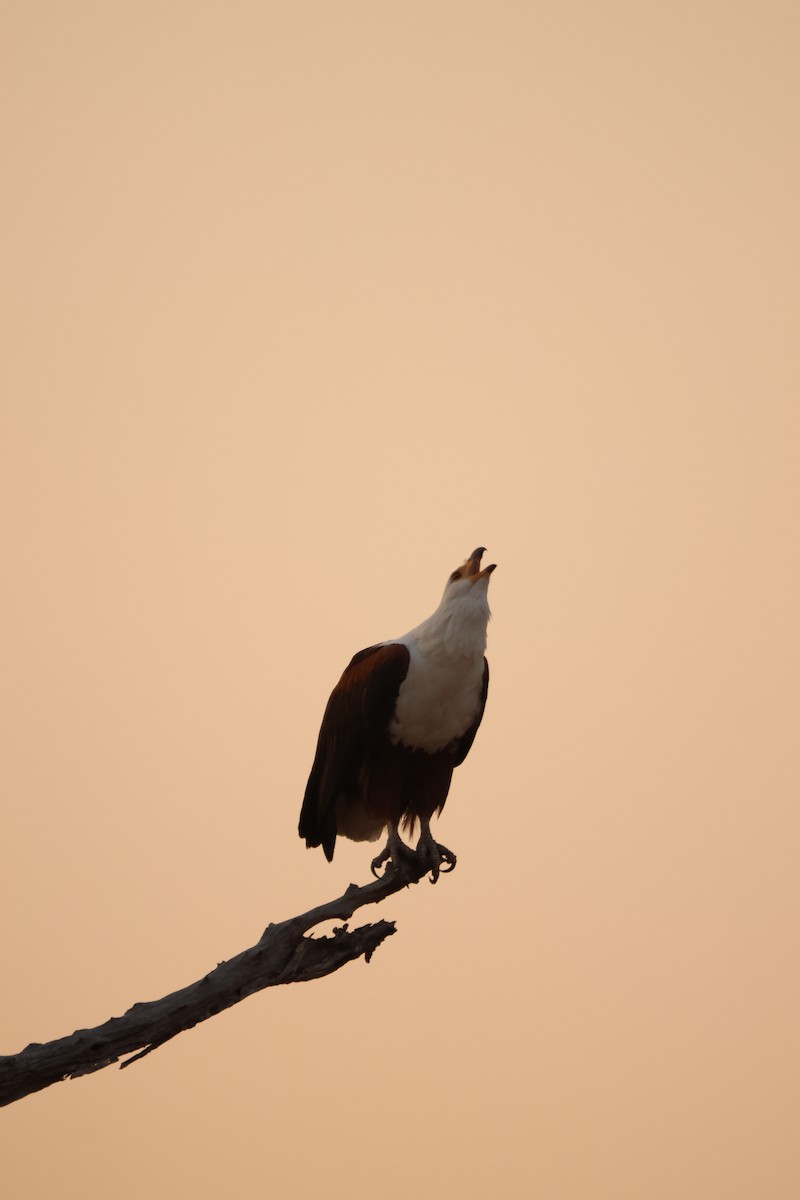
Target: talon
pixel 399 857
pixel 448 860
pixel 378 862
pixel 435 858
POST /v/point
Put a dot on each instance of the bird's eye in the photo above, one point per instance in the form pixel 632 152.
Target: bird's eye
pixel 456 575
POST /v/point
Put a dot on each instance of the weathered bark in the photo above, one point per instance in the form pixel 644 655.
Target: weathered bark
pixel 284 954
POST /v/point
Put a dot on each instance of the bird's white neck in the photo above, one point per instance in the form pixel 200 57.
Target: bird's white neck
pixel 457 629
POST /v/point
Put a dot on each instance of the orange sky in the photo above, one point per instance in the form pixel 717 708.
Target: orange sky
pixel 300 303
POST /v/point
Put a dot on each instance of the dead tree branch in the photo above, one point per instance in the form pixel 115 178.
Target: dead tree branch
pixel 284 954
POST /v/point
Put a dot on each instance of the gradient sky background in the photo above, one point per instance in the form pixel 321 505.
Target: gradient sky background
pixel 300 303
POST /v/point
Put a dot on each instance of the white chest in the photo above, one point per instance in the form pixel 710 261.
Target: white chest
pixel 438 701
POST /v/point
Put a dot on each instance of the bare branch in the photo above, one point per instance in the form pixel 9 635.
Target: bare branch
pixel 284 954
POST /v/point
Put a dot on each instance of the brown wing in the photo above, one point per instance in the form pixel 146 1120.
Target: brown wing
pixel 359 711
pixel 464 743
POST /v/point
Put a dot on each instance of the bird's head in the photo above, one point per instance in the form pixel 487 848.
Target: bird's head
pixel 458 626
pixel 469 583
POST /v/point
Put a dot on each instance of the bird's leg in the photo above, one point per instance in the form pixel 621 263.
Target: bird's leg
pixel 397 853
pixel 434 857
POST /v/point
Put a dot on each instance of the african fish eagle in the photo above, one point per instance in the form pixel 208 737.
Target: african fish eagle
pixel 403 715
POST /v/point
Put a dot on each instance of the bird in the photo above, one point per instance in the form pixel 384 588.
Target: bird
pixel 402 717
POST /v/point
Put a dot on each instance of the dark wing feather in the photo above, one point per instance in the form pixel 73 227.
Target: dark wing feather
pixel 464 743
pixel 359 710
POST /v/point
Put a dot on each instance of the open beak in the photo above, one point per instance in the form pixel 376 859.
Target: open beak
pixel 473 565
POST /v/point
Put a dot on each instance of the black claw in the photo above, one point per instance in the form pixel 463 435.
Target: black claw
pixel 447 860
pixel 378 862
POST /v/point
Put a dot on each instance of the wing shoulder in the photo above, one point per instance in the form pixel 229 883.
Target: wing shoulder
pixel 360 706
